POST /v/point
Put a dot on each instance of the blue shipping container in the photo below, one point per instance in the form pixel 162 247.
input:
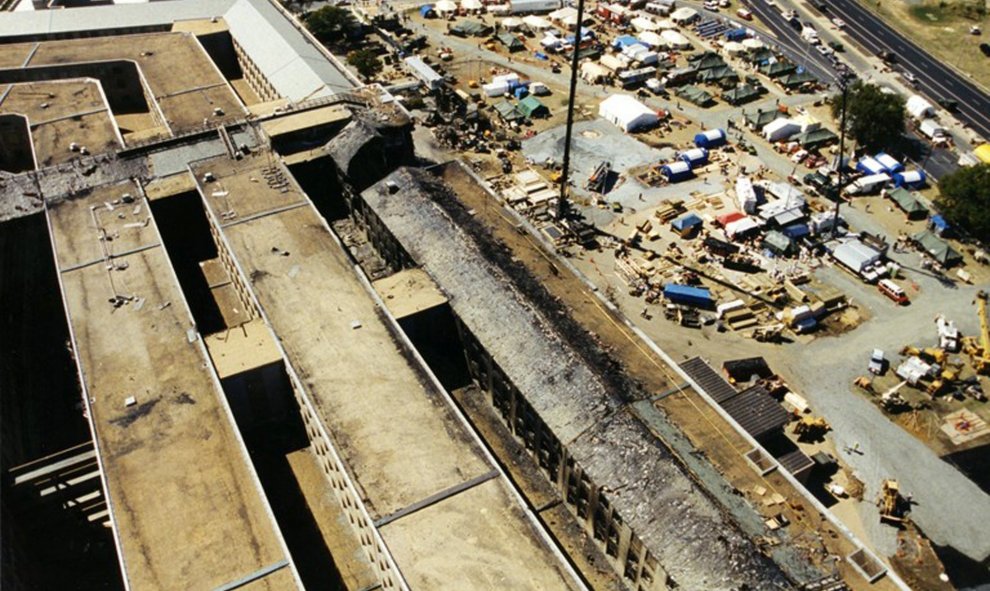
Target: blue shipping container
pixel 686 294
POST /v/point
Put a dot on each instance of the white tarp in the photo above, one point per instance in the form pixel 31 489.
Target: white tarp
pixel 611 62
pixel 593 72
pixel 513 23
pixel 684 15
pixel 734 47
pixel 931 128
pixel 740 227
pixel 919 108
pixel 471 4
pixel 445 7
pixel 674 40
pixel 666 25
pixel 537 23
pixel 626 112
pixel 641 23
pixel 856 255
pixel 650 39
pixel 780 129
pixel 753 43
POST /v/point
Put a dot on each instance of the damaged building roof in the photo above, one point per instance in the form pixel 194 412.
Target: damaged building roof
pixel 687 531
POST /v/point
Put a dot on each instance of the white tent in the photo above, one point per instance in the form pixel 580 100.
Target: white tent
pixel 537 23
pixel 741 227
pixel 919 108
pixel 684 15
pixel 780 129
pixel 593 72
pixel 471 4
pixel 666 24
pixel 753 43
pixel 641 23
pixel 626 112
pixel 566 16
pixel 674 40
pixel 612 63
pixel 511 23
pixel 931 128
pixel 734 47
pixel 650 39
pixel 445 7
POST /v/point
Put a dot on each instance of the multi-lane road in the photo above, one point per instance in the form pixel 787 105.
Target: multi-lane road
pixel 935 79
pixel 790 40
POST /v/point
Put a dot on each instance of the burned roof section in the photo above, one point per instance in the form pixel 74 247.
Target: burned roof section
pixel 695 542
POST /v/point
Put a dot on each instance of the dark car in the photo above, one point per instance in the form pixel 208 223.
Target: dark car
pixel 985 48
pixel 948 104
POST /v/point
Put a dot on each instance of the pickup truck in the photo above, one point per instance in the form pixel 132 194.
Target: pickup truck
pixel 878 362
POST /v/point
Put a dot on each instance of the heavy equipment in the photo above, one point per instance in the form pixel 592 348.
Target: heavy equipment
pixel 979 350
pixel 944 379
pixel 929 354
pixel 890 502
pixel 811 428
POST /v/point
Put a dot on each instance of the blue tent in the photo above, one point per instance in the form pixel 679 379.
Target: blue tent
pixel 624 41
pixel 795 231
pixel 910 178
pixel 676 171
pixel 695 156
pixel 735 34
pixel 425 10
pixel 687 224
pixel 939 225
pixel 711 138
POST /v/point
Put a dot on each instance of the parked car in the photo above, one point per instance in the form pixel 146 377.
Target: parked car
pixel 748 16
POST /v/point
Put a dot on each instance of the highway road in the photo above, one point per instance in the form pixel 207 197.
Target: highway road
pixel 790 41
pixel 935 79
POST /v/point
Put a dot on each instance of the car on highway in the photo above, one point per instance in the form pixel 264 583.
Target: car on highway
pixel 910 78
pixel 744 14
pixel 948 104
pixel 838 22
pixel 825 50
pixel 836 46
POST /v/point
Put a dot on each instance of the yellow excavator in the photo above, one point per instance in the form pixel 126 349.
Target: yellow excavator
pixel 979 351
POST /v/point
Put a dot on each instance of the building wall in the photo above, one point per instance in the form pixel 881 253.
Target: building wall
pixel 16 152
pixel 255 79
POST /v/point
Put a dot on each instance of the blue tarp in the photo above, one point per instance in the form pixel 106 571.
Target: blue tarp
pixel 910 178
pixel 624 41
pixel 425 10
pixel 735 34
pixel 689 221
pixel 795 231
pixel 686 294
pixel 940 226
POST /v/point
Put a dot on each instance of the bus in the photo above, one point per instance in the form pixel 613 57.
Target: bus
pixel 893 291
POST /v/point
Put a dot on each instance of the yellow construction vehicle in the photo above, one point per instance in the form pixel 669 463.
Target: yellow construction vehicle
pixel 890 503
pixel 946 378
pixel 979 351
pixel 929 354
pixel 811 428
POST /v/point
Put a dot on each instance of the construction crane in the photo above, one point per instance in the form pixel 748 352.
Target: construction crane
pixel 979 351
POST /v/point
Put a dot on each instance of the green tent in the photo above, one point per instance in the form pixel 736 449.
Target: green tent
pixel 532 107
pixel 708 62
pixel 778 68
pixel 511 42
pixel 718 74
pixel 937 248
pixel 796 79
pixel 508 112
pixel 470 29
pixel 741 94
pixel 760 55
pixel 694 95
pixel 760 118
pixel 908 204
pixel 778 243
pixel 816 138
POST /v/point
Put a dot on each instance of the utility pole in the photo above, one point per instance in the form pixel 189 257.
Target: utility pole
pixel 842 151
pixel 571 95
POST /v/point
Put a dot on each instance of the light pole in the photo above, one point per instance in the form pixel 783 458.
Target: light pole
pixel 842 150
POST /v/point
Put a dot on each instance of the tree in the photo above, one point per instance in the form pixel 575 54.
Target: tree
pixel 964 197
pixel 330 23
pixel 875 119
pixel 365 61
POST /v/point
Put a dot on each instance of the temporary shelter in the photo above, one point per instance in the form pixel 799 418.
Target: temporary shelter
pixel 752 43
pixel 537 23
pixel 909 178
pixel 684 15
pixel 627 113
pixel 666 24
pixel 780 129
pixel 676 171
pixel 612 63
pixel 741 228
pixel 641 23
pixel 623 41
pixel 816 138
pixel 444 7
pixel 694 95
pixel 919 108
pixel 471 5
pixel 869 165
pixel 937 248
pixel 695 156
pixel 511 42
pixel 686 225
pixel 593 72
pixel 859 258
pixel 734 48
pixel 532 107
pixel 426 10
pixel 674 40
pixel 650 39
pixel 740 94
pixel 710 138
pixel 511 23
pixel 907 203
pixel 889 163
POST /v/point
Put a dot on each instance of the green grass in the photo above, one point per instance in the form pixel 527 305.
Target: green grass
pixel 944 11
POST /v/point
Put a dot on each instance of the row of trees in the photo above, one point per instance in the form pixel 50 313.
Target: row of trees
pixel 875 121
pixel 333 25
